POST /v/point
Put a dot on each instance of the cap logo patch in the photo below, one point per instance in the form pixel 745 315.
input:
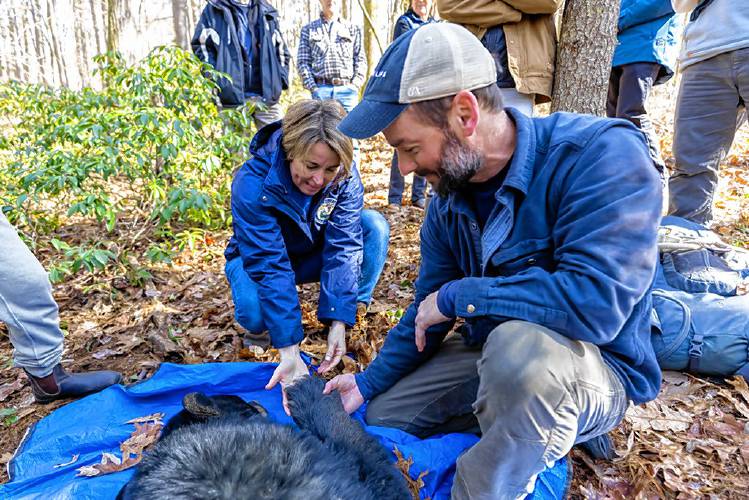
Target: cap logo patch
pixel 380 74
pixel 414 91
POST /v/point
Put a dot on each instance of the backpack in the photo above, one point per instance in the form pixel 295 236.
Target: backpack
pixel 700 319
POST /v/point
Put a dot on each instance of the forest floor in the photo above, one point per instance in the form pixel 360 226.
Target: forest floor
pixel 693 441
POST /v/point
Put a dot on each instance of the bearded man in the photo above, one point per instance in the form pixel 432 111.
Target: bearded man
pixel 542 241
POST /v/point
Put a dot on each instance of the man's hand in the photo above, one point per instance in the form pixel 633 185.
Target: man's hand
pixel 290 368
pixel 336 346
pixel 428 315
pixel 346 386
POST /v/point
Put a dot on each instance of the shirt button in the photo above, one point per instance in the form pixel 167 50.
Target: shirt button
pixel 471 308
pixel 332 308
pixel 265 198
pixel 531 261
pixel 474 226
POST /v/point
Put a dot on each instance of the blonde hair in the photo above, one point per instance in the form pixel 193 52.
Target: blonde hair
pixel 311 121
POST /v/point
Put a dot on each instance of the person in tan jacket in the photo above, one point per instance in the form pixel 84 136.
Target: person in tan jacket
pixel 521 36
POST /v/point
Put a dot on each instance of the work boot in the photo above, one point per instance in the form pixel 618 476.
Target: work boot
pixel 59 384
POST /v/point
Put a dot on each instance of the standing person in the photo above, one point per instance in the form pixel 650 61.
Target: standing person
pixel 298 218
pixel 645 56
pixel 418 14
pixel 522 38
pixel 30 312
pixel 243 39
pixel 330 59
pixel 714 65
pixel 542 238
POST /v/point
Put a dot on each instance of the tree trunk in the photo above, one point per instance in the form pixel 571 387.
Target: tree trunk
pixel 179 14
pixel 584 54
pixel 113 26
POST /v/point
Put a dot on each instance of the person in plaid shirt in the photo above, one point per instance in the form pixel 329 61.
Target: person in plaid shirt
pixel 330 59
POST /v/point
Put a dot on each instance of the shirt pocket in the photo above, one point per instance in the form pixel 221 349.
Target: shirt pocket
pixel 318 43
pixel 345 44
pixel 524 255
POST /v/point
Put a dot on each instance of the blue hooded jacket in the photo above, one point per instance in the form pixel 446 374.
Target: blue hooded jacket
pixel 570 244
pixel 277 227
pixel 408 21
pixel 649 31
pixel 217 42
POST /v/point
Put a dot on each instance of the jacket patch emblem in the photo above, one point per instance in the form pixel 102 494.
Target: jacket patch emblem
pixel 323 212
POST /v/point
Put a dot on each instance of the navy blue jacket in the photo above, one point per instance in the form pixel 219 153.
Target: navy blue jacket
pixel 407 22
pixel 276 226
pixel 570 244
pixel 217 42
pixel 649 31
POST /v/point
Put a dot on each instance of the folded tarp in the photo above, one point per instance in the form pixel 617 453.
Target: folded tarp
pixel 97 424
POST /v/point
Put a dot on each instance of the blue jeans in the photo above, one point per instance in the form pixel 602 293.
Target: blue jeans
pixel 244 291
pixel 347 95
pixel 27 306
pixel 397 184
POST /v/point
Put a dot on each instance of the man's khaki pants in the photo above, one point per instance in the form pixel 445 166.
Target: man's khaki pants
pixel 531 393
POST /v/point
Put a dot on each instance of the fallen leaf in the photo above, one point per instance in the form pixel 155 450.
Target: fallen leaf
pixel 11 387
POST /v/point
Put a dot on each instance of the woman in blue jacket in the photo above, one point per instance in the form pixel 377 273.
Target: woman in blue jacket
pixel 297 218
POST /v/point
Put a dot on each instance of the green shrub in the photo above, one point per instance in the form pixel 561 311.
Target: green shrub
pixel 149 151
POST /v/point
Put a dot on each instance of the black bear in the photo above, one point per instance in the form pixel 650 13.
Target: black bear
pixel 221 447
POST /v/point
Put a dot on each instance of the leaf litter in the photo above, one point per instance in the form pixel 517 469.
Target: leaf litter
pixel 692 442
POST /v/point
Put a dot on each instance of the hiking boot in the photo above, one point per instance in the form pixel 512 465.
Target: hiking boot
pixel 60 384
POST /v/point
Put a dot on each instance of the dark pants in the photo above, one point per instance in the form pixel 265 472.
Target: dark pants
pixel 629 86
pixel 397 185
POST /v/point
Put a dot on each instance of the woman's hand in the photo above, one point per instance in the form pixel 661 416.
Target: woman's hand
pixel 336 346
pixel 290 368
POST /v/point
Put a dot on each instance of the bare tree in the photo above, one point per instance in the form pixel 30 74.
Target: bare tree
pixel 113 26
pixel 584 54
pixel 180 19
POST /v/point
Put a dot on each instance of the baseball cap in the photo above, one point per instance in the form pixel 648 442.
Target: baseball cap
pixel 435 60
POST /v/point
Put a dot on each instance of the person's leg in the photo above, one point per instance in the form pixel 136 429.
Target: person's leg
pixel 539 393
pixel 704 127
pixel 269 114
pixel 395 191
pixel 613 94
pixel 323 92
pixel 27 306
pixel 247 309
pixel 30 313
pixel 514 99
pixel 636 81
pixel 375 235
pixel 418 191
pixel 435 398
pixel 347 95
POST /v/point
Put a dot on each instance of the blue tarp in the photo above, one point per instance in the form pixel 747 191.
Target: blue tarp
pixel 96 424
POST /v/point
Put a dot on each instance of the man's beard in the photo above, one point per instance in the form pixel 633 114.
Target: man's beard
pixel 459 163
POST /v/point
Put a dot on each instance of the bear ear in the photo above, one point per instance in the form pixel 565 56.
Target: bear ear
pixel 199 405
pixel 259 408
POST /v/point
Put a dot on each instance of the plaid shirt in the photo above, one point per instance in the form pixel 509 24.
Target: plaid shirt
pixel 328 50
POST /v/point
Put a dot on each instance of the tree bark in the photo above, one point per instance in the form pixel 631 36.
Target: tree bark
pixel 584 55
pixel 179 15
pixel 113 26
